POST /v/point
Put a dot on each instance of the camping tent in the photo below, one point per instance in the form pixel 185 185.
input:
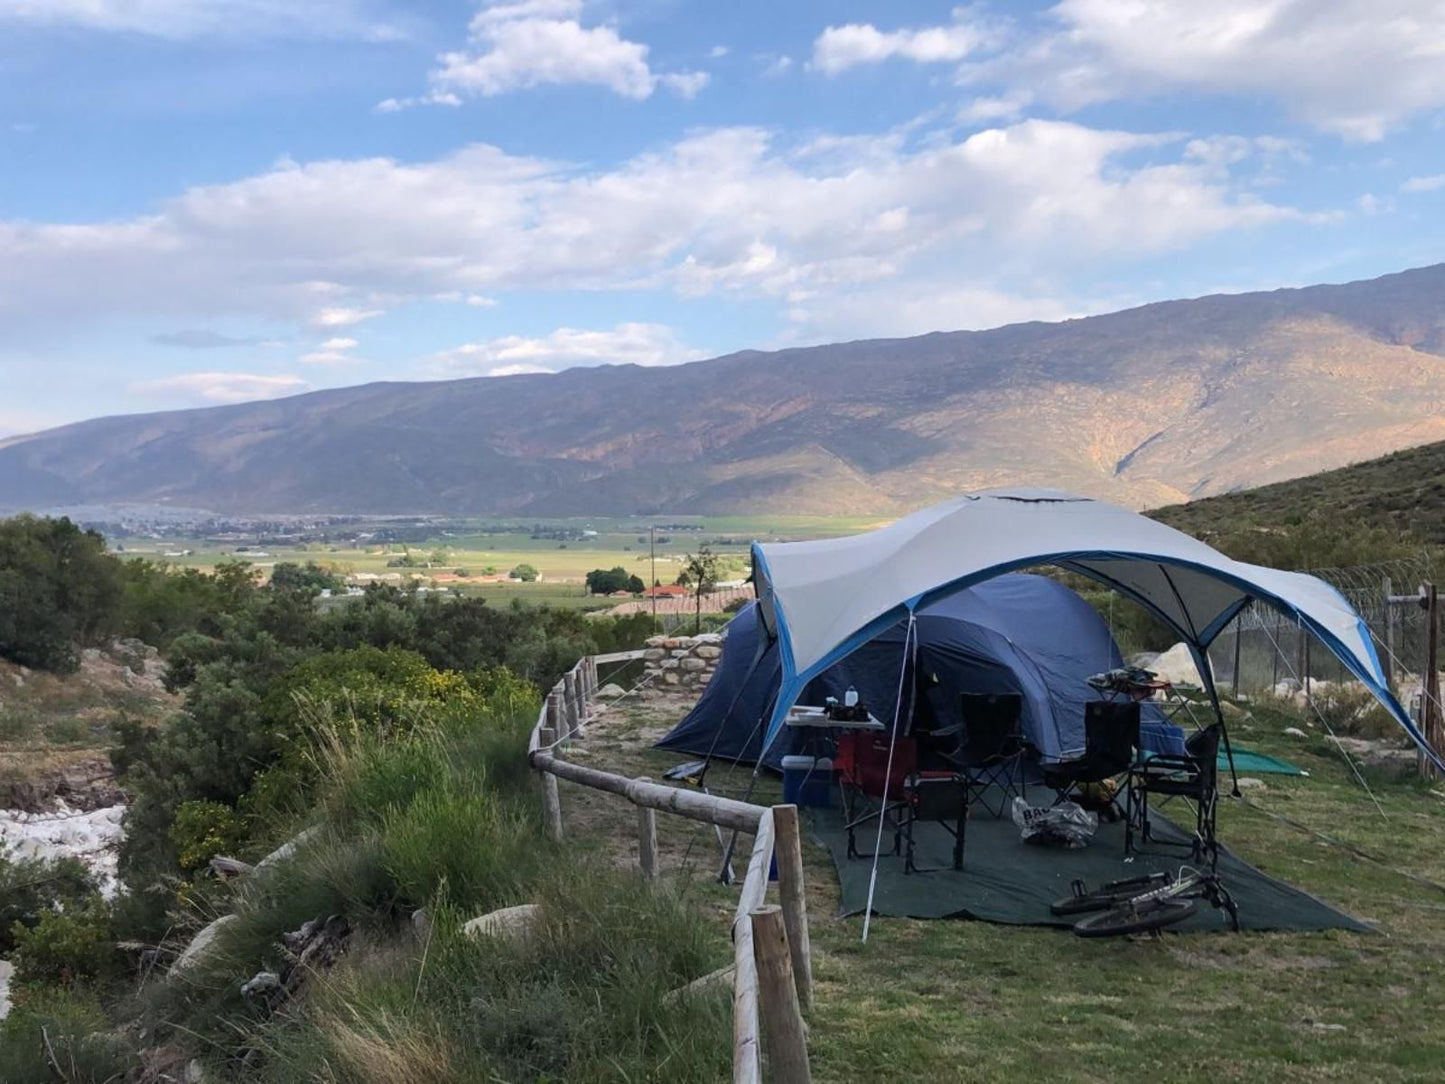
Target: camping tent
pixel 821 600
pixel 1018 633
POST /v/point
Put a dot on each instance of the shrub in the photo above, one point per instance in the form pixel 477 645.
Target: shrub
pixel 66 946
pixel 31 887
pixel 203 830
pixel 525 573
pixel 61 1029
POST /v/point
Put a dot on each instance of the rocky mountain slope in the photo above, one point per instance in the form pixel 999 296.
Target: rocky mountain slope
pixel 1150 406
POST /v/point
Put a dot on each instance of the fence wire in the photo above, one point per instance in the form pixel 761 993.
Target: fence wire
pixel 1245 660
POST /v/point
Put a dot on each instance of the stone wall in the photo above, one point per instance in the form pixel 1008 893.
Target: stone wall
pixel 676 662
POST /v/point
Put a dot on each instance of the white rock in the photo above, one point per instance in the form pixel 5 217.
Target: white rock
pixel 511 923
pixel 610 691
pixel 6 970
pixel 93 838
pixel 287 849
pixel 1176 665
pixel 707 651
pixel 1295 732
pixel 1248 782
pixel 692 664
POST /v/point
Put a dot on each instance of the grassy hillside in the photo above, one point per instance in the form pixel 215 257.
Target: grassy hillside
pixel 1377 510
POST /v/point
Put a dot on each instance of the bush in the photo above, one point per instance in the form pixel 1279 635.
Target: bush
pixel 525 573
pixel 32 887
pixel 66 946
pixel 68 1025
pixel 203 830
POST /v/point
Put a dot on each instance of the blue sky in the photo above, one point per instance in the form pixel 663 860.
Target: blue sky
pixel 203 201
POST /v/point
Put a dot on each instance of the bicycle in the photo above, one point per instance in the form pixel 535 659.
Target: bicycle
pixel 1141 904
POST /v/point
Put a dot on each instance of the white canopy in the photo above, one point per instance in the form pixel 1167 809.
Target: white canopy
pixel 823 599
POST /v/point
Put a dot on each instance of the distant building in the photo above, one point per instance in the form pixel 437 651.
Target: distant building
pixel 667 590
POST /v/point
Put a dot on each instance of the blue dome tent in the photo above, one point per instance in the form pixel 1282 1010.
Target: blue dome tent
pixel 1018 633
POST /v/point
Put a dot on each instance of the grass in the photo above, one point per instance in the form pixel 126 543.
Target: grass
pixel 952 1000
pixel 447 820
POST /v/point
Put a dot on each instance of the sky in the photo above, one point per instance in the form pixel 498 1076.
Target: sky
pixel 208 201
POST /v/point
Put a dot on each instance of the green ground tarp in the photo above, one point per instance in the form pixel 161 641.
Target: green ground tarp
pixel 1248 762
pixel 1009 881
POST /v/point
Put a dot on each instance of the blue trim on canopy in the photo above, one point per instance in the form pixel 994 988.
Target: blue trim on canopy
pixel 794 682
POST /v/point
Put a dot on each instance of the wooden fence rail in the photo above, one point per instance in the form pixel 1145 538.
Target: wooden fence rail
pixel 772 969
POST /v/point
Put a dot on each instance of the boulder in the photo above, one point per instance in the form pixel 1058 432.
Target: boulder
pixel 1249 782
pixel 671 664
pixel 610 691
pixel 681 653
pixel 692 664
pixel 1176 665
pixel 656 641
pixel 708 638
pixel 654 654
pixel 287 849
pixel 670 677
pixel 510 923
pixel 707 651
pixel 1294 732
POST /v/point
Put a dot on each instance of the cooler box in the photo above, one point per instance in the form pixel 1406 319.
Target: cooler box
pixel 807 782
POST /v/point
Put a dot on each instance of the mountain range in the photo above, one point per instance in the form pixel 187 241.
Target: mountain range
pixel 1153 405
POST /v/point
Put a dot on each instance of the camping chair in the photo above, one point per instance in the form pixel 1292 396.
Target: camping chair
pixel 940 797
pixel 990 751
pixel 870 789
pixel 1194 777
pixel 1111 734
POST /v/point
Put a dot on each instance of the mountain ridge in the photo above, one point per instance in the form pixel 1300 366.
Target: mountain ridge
pixel 1146 406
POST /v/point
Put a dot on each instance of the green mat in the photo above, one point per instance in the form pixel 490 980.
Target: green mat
pixel 1248 762
pixel 1006 880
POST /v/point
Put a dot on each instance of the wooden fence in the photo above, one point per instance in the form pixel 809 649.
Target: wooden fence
pixel 772 968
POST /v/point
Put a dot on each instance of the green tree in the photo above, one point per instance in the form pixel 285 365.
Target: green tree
pixel 525 573
pixel 59 591
pixel 699 572
pixel 309 579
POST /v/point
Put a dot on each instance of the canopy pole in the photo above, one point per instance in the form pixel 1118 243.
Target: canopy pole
pixel 904 668
pixel 1206 671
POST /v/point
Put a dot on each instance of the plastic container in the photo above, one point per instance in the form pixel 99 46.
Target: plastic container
pixel 808 782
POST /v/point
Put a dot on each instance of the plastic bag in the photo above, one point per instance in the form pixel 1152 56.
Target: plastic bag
pixel 1068 824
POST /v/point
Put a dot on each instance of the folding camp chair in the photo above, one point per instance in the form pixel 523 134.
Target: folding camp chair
pixel 871 789
pixel 1194 777
pixel 1111 734
pixel 991 747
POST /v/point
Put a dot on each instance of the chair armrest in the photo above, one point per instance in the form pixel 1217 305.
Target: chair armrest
pixel 1168 762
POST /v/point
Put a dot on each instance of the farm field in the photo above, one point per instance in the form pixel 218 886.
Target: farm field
pixel 970 1001
pixel 568 550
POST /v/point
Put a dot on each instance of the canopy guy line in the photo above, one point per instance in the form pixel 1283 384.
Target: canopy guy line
pixel 1333 737
pixel 888 771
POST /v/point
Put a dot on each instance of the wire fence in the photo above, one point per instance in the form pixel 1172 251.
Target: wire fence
pixel 1263 650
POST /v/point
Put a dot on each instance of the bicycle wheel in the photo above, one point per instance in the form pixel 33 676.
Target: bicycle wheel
pixel 1125 919
pixel 1107 895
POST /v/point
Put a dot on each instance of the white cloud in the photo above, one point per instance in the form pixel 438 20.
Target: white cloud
pixel 776 66
pixel 718 51
pixel 481 301
pixel 1424 184
pixel 211 388
pixel 183 19
pixel 342 316
pixel 991 109
pixel 529 43
pixel 330 244
pixel 839 48
pixel 1354 67
pixel 565 348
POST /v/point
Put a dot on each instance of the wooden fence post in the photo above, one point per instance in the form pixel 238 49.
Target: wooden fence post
pixel 784 1033
pixel 1433 727
pixel 647 839
pixel 556 717
pixel 569 700
pixel 551 805
pixel 788 849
